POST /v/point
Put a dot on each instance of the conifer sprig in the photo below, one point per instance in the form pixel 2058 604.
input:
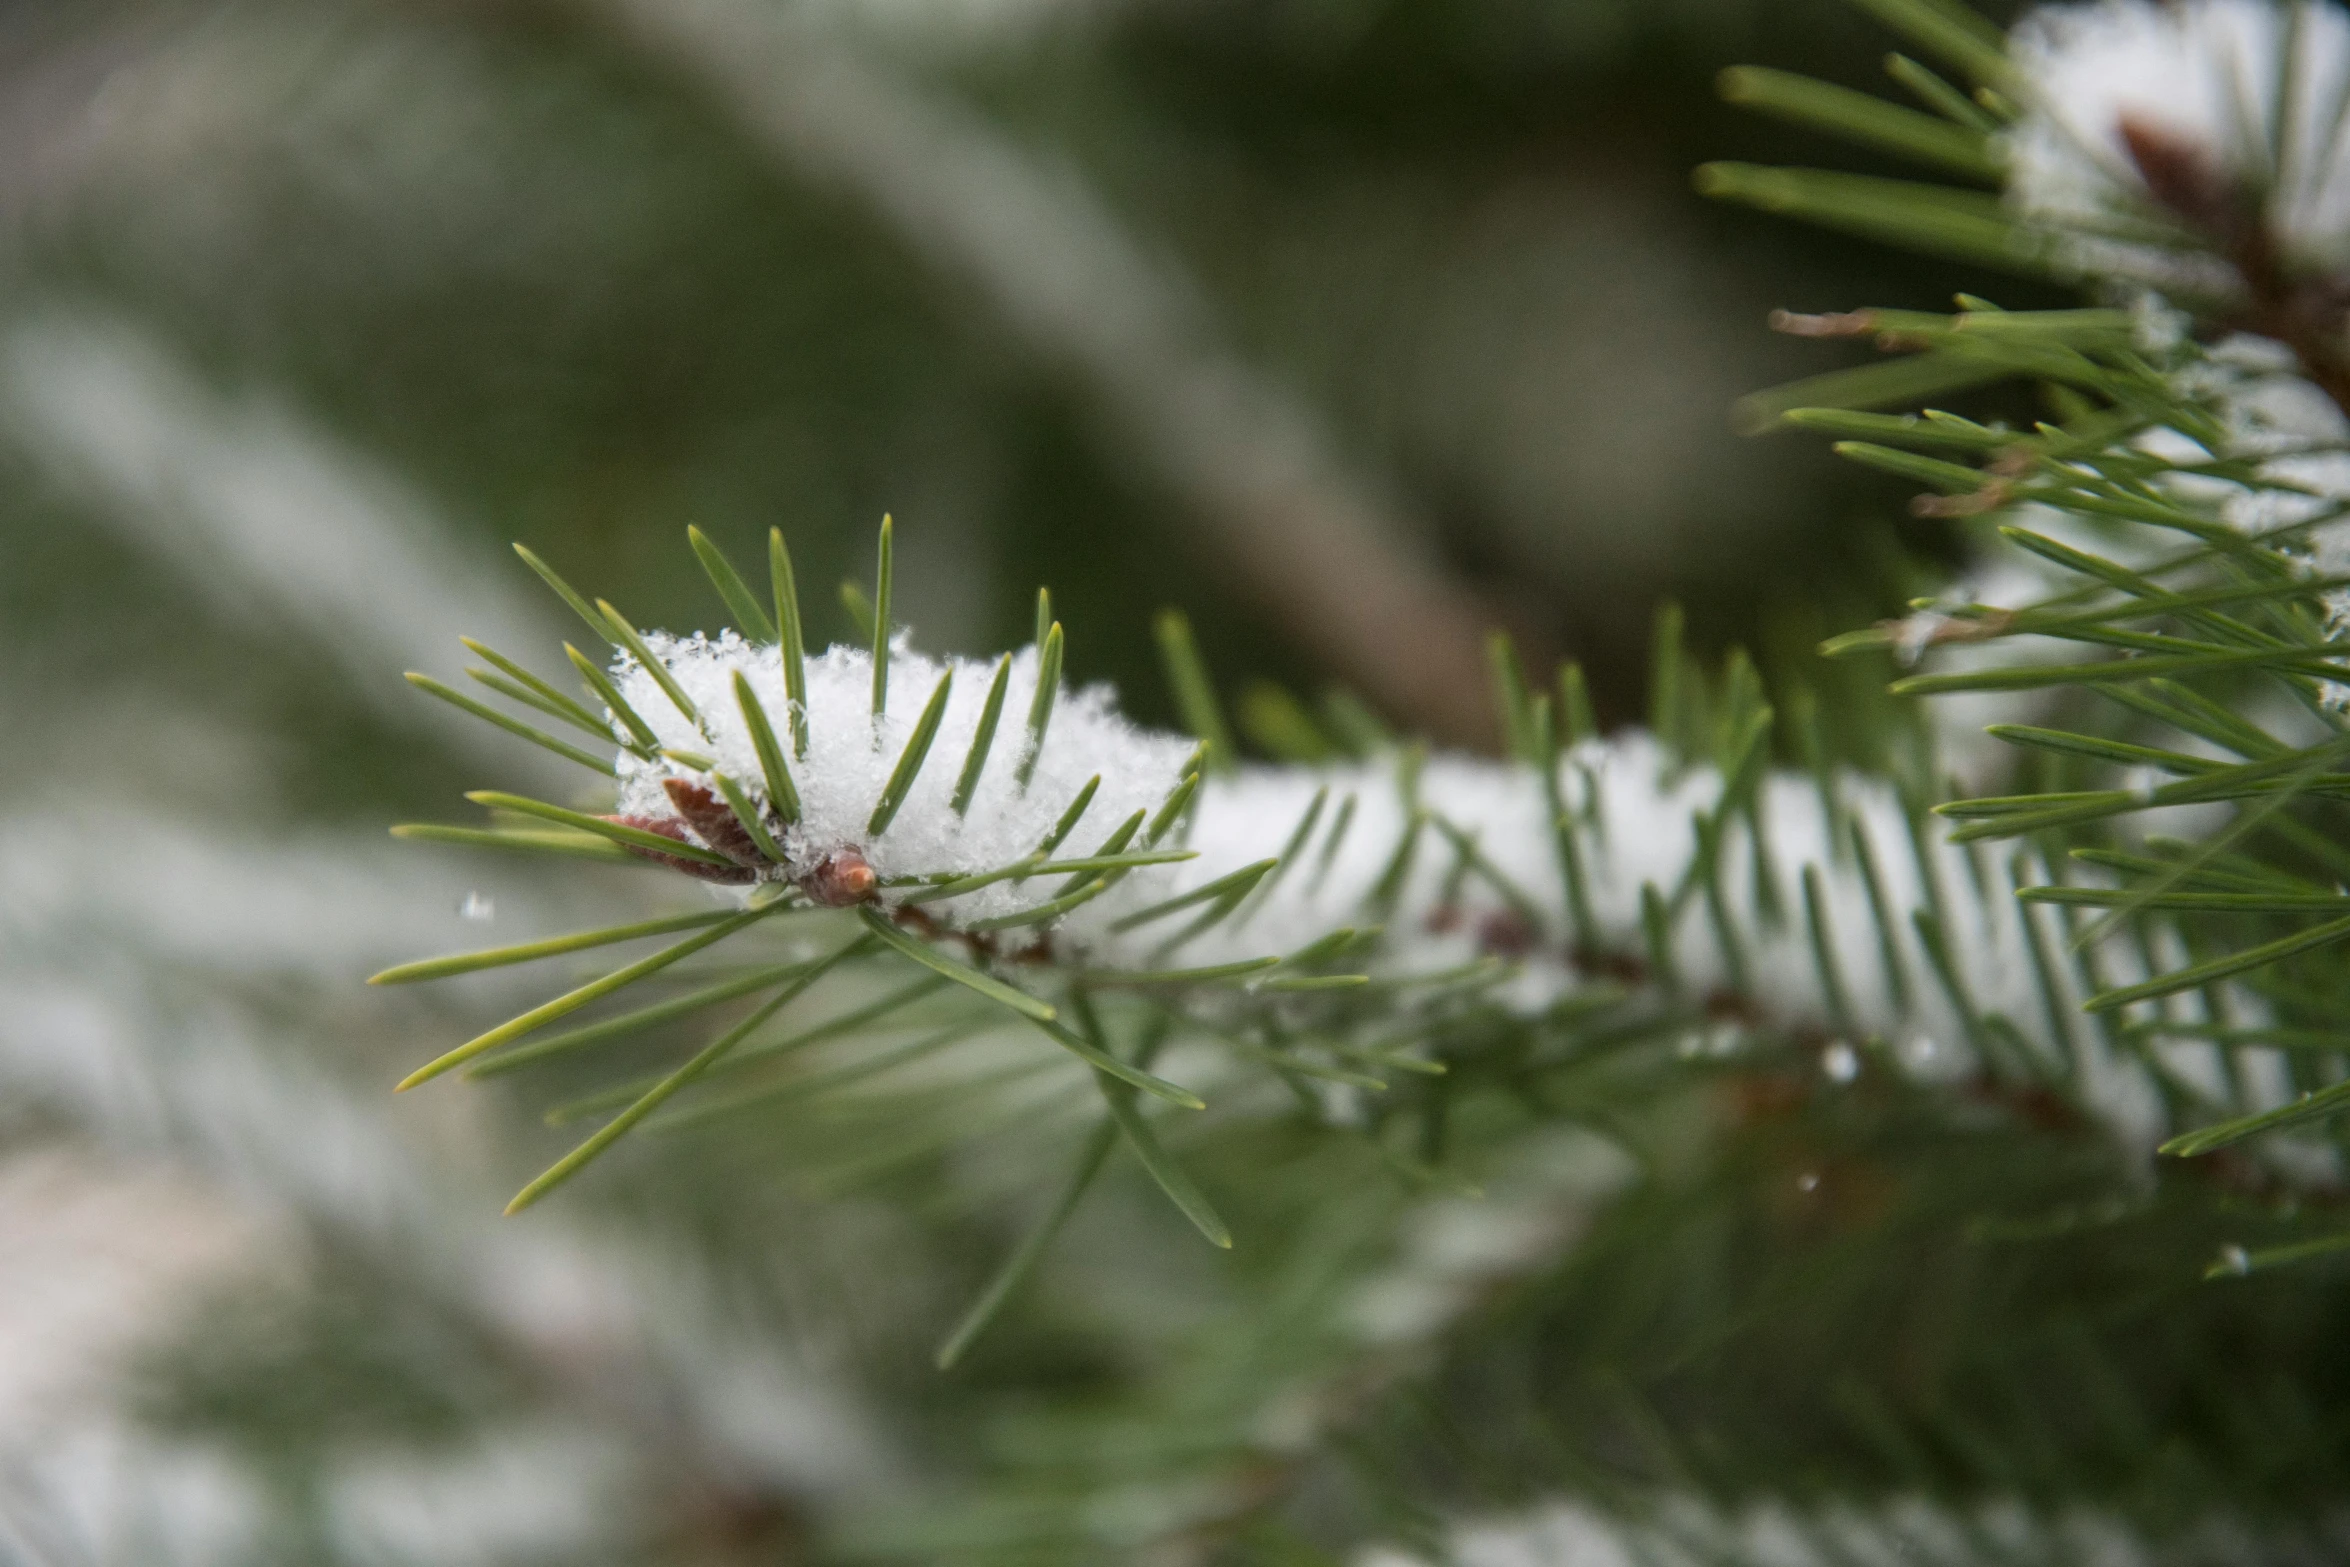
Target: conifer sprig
pixel 2180 525
pixel 1380 899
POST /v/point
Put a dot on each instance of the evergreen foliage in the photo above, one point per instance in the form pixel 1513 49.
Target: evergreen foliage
pixel 1789 1130
pixel 1957 1078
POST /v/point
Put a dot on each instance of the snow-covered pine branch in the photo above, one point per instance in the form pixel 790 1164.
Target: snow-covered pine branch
pixel 977 819
pixel 1453 858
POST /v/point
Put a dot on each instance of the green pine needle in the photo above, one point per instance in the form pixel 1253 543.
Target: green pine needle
pixel 1323 948
pixel 1115 843
pixel 626 1024
pixel 531 951
pixel 2201 974
pixel 569 845
pixel 1352 726
pixel 620 1125
pixel 2322 659
pixel 1291 852
pixel 1656 929
pixel 513 726
pixel 1237 884
pixel 1280 725
pixel 1823 953
pixel 982 738
pixel 1962 37
pixel 1965 225
pixel 1210 974
pixel 1581 721
pixel 635 643
pixel 1103 1062
pixel 883 573
pixel 781 793
pixel 550 701
pixel 1087 889
pixel 910 759
pixel 1070 817
pixel 857 604
pixel 1937 94
pixel 632 837
pixel 566 592
pixel 2311 1106
pixel 1163 1169
pixel 1862 118
pixel 1475 859
pixel 516 691
pixel 1510 699
pixel 741 603
pixel 2235 1262
pixel 963 974
pixel 1039 865
pixel 752 818
pixel 1177 802
pixel 2189 902
pixel 572 1000
pixel 1022 1262
pixel 791 638
pixel 1339 825
pixel 756 1055
pixel 1040 706
pixel 809 1084
pixel 641 738
pixel 1194 690
pixel 1389 885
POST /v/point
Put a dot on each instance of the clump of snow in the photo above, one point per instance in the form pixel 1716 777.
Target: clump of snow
pixel 1633 808
pixel 2255 88
pixel 851 755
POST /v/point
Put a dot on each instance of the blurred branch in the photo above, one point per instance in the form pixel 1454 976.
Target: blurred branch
pixel 151 1035
pixel 1315 541
pixel 260 510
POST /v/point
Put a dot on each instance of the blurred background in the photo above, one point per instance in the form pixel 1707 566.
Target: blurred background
pixel 1350 326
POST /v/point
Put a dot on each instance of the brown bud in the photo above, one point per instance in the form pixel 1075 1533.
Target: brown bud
pixel 840 879
pixel 662 826
pixel 712 820
pixel 2183 175
pixel 1506 933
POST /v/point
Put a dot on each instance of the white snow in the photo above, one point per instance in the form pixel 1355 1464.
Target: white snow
pixel 1635 811
pixel 2257 87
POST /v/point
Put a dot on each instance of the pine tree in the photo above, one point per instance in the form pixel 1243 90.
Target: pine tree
pixel 1790 1130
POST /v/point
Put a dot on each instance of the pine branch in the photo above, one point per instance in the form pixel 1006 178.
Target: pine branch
pixel 1561 889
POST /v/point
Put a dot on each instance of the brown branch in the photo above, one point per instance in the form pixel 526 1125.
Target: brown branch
pixel 2308 314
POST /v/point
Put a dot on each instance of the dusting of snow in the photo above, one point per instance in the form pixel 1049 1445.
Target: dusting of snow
pixel 2298 493
pixel 1634 810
